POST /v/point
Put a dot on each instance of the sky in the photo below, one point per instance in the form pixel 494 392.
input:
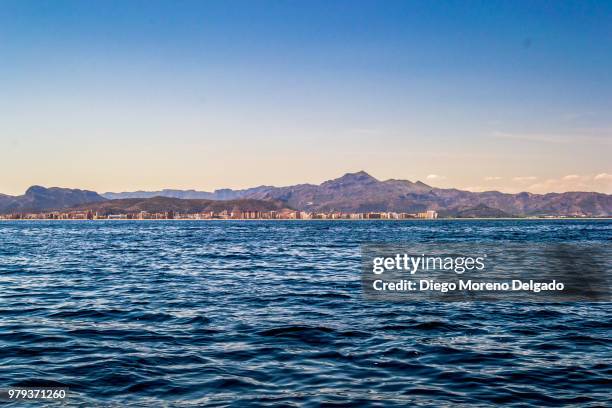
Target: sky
pixel 479 95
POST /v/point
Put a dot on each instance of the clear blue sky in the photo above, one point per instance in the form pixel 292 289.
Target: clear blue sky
pixel 112 95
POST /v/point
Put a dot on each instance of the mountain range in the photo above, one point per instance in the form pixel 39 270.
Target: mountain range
pixel 353 192
pixel 360 192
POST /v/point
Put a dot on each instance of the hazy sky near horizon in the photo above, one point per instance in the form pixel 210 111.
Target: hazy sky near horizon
pixel 127 95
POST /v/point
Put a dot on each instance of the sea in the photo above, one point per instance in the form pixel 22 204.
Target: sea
pixel 271 313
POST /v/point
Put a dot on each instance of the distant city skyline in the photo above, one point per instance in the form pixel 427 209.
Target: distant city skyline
pixel 123 96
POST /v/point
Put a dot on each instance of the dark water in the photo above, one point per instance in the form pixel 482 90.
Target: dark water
pixel 271 313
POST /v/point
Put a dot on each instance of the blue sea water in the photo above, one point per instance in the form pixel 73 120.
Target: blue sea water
pixel 249 313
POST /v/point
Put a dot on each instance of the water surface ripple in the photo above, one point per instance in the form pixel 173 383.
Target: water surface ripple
pixel 271 314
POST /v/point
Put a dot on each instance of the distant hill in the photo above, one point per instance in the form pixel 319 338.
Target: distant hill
pixel 479 211
pixel 163 204
pixel 37 198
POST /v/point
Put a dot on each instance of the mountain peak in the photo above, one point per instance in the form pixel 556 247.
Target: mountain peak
pixel 35 190
pixel 360 177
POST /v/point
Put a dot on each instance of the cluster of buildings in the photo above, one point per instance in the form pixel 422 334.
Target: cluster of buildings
pixel 223 215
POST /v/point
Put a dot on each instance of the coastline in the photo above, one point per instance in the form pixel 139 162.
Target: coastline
pixel 329 219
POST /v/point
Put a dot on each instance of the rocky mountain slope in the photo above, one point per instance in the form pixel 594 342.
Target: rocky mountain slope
pixel 37 198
